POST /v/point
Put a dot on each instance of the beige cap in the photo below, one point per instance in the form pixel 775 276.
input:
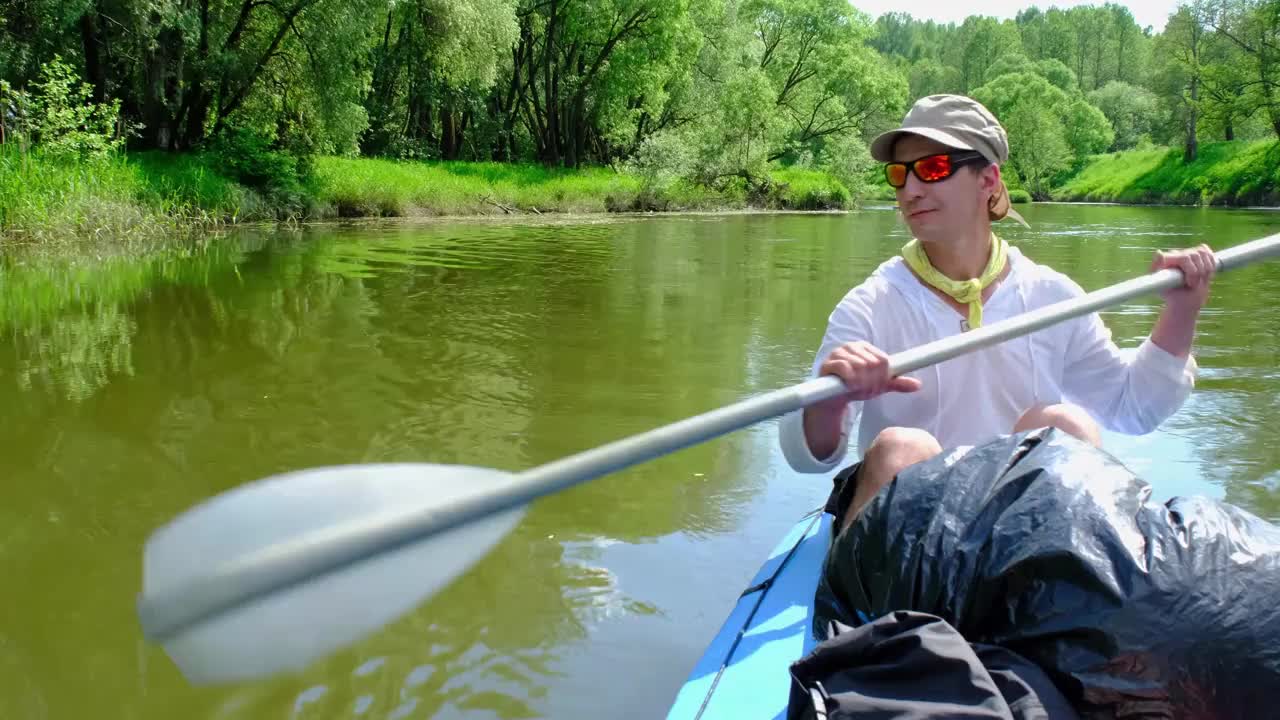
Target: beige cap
pixel 959 122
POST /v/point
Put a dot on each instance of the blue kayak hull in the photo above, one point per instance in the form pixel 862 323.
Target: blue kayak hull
pixel 745 671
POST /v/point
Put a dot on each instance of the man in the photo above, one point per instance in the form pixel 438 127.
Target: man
pixel 944 162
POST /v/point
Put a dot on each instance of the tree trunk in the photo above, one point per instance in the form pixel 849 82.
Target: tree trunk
pixel 420 118
pixel 551 87
pixel 521 58
pixel 1264 74
pixel 580 127
pixel 1192 146
pixel 570 137
pixel 196 99
pixel 499 151
pixel 1120 56
pixel 1099 53
pixel 155 120
pixel 162 75
pixel 448 134
pixel 1080 59
pixel 91 38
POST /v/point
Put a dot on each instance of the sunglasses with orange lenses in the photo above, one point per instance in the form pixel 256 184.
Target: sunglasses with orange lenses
pixel 930 169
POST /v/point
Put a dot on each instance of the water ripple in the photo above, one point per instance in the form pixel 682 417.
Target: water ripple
pixel 479 247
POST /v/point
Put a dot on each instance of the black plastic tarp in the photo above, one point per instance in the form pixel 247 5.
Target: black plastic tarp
pixel 914 666
pixel 1045 546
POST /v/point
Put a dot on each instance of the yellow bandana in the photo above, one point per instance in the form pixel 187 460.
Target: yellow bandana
pixel 964 291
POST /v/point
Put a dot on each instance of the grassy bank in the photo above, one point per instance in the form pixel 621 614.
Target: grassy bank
pixel 365 187
pixel 1224 173
pixel 140 195
pixel 126 199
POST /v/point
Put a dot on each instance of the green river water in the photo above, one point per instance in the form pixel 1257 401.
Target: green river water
pixel 131 390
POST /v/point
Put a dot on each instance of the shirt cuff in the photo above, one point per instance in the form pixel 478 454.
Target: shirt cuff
pixel 1170 367
pixel 796 449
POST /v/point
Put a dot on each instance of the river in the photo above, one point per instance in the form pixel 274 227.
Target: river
pixel 133 389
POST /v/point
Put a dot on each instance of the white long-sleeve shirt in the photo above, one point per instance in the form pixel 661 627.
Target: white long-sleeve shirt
pixel 975 397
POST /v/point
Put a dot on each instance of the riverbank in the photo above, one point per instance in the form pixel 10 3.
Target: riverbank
pixel 133 197
pixel 142 197
pixel 1233 173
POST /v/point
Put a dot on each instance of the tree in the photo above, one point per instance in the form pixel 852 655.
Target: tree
pixel 1042 113
pixel 1098 43
pixel 1181 47
pixel 1010 63
pixel 1225 88
pixel 589 56
pixel 1253 26
pixel 1058 74
pixel 788 80
pixel 1129 109
pixel 746 129
pixel 1086 129
pixel 1126 38
pixel 1037 148
pixel 1031 28
pixel 929 77
pixel 980 42
pixel 896 33
pixel 432 63
pixel 834 88
pixel 1090 31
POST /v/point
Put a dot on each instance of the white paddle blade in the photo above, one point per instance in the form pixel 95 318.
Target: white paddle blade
pixel 290 629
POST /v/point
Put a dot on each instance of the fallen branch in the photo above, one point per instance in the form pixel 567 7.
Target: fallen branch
pixel 488 199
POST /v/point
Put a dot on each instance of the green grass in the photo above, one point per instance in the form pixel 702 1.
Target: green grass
pixel 800 189
pixel 142 196
pixel 59 198
pixel 1224 173
pixel 360 187
pixel 134 198
pixel 188 185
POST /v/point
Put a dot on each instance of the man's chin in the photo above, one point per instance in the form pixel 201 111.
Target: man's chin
pixel 925 226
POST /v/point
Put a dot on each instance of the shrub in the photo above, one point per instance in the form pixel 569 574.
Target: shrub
pixel 64 120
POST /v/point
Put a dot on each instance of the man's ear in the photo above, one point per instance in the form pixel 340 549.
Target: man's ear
pixel 991 177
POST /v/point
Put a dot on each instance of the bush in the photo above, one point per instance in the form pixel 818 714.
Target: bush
pixel 661 161
pixel 800 189
pixel 1019 196
pixel 248 158
pixel 260 164
pixel 60 118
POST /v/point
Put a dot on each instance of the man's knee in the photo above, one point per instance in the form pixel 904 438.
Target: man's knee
pixel 1065 417
pixel 893 450
pixel 896 448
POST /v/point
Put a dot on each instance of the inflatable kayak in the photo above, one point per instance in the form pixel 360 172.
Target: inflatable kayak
pixel 745 671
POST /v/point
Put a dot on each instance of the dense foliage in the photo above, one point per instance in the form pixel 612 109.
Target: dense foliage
pixel 719 93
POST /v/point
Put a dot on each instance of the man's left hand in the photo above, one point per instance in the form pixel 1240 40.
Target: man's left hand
pixel 1198 265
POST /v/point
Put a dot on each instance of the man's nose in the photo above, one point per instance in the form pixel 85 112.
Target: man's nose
pixel 914 186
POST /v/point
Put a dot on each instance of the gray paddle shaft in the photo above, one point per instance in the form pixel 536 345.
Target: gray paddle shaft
pixel 278 568
pixel 560 474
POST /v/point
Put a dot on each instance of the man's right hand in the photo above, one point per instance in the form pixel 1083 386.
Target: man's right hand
pixel 864 368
